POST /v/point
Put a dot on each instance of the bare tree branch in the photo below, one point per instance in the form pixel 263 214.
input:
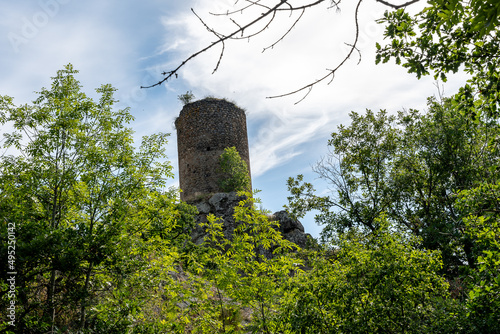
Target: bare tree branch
pixel 258 32
pixel 252 3
pixel 169 74
pixel 406 4
pixel 269 14
pixel 331 73
pixel 220 36
pixel 283 37
pixel 291 8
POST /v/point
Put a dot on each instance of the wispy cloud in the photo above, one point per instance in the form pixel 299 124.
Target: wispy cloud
pixel 247 76
pixel 128 44
pixel 276 144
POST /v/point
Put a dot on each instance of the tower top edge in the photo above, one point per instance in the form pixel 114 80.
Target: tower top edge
pixel 210 106
pixel 210 100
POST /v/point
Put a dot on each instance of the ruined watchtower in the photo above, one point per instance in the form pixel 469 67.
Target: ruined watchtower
pixel 204 129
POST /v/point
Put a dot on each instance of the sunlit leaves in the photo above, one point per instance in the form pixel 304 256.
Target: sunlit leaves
pixel 447 37
pixel 95 224
pixel 235 175
pixel 411 167
pixel 376 283
pixel 247 272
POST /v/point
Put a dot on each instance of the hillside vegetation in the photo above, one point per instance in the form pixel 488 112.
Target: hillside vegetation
pixel 93 242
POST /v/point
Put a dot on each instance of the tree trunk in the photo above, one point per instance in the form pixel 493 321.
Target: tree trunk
pixel 84 299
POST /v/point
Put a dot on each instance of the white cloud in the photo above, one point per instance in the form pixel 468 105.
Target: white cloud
pixel 129 44
pixel 247 76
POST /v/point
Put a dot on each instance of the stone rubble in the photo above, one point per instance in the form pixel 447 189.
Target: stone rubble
pixel 222 205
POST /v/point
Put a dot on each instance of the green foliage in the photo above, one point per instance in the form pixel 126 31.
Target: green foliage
pixel 483 15
pixel 102 247
pixel 186 98
pixel 411 167
pixel 376 283
pixel 84 203
pixel 246 272
pixel 483 226
pixel 358 169
pixel 235 175
pixel 445 37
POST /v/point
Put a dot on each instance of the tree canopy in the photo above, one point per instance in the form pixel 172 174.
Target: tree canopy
pixel 83 203
pixel 449 36
pixel 411 239
pixel 411 167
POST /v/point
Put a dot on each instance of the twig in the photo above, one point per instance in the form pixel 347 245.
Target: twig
pixel 406 4
pixel 169 74
pixel 228 13
pixel 281 6
pixel 283 37
pixel 331 72
pixel 258 32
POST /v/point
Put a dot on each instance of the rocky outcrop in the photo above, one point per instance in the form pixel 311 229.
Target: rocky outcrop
pixel 222 205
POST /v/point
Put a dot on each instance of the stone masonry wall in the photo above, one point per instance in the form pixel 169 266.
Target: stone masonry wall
pixel 204 129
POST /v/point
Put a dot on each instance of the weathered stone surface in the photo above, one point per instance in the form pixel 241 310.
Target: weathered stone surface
pixel 204 129
pixel 222 205
pixel 203 208
pixel 287 224
pixel 299 238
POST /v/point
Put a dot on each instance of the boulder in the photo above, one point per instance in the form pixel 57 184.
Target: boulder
pixel 222 205
pixel 287 224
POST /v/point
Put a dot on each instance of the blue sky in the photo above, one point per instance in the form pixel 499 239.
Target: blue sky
pixel 129 43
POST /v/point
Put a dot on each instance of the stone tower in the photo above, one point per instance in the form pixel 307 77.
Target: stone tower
pixel 204 129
